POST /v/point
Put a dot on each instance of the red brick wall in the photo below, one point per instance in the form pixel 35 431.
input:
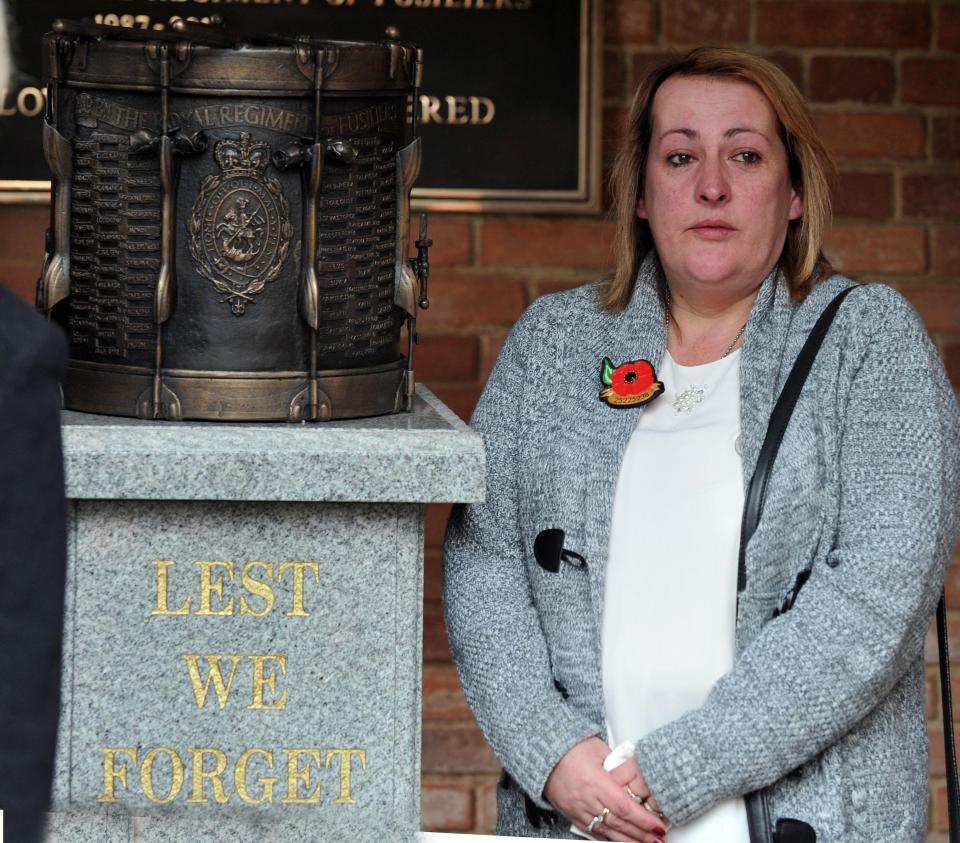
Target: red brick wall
pixel 884 80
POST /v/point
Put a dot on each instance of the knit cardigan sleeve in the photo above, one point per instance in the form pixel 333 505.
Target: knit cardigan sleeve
pixel 859 622
pixel 492 624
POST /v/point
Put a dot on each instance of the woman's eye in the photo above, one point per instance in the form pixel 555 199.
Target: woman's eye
pixel 747 157
pixel 678 159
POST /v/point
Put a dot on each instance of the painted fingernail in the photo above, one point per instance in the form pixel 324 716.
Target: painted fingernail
pixel 660 831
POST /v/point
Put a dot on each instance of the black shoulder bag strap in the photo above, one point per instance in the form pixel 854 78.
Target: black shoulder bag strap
pixel 790 830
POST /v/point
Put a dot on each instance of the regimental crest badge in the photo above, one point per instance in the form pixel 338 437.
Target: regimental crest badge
pixel 240 226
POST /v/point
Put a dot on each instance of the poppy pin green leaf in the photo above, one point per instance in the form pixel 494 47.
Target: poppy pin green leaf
pixel 606 375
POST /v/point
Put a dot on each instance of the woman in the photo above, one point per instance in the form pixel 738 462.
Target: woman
pixel 803 678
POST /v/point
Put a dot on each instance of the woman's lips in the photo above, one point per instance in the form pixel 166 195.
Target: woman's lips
pixel 713 229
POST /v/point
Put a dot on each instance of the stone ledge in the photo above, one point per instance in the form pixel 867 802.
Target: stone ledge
pixel 427 456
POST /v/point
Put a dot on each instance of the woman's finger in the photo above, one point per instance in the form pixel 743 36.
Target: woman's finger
pixel 617 825
pixel 612 834
pixel 585 817
pixel 637 790
pixel 629 775
pixel 608 831
pixel 601 830
pixel 629 812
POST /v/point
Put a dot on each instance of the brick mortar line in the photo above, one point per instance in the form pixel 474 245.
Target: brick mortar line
pixel 897 61
pixel 683 46
pixel 475 379
pixel 544 273
pixel 806 75
pixel 944 282
pixel 916 54
pixel 443 726
pixel 563 273
pixel 863 166
pixel 939 279
pixel 527 270
pixel 22 263
pixel 897 193
pixel 845 225
pixel 476 778
pixel 891 54
pixel 459 331
pixel 873 222
pixel 934 25
pixel 476 227
pixel 858 107
pixel 917 166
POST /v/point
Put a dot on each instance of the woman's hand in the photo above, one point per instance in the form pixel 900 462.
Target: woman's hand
pixel 579 788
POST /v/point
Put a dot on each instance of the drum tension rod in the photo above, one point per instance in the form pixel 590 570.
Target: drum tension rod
pixel 310 283
pixel 421 264
pixel 53 285
pixel 309 155
pixel 408 170
pixel 159 401
pixel 421 268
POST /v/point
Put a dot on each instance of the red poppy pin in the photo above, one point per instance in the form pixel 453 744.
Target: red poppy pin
pixel 629 384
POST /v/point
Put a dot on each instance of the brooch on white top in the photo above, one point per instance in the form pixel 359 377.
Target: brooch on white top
pixel 689 398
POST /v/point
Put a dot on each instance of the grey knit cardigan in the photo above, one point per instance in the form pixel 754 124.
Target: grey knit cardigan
pixel 824 706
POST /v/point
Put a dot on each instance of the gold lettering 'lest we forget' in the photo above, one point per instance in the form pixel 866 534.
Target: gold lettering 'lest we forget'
pixel 204 773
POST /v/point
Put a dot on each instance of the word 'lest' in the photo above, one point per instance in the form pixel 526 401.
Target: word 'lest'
pixel 256 580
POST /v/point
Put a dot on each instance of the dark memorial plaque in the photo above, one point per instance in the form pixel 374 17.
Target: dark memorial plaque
pixel 509 111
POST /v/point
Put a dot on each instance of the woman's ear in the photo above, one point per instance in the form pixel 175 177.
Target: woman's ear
pixel 796 204
pixel 642 208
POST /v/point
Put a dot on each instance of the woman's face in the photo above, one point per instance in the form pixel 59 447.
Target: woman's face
pixel 717 191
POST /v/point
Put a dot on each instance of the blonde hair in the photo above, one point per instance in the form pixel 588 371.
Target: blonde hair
pixel 802 259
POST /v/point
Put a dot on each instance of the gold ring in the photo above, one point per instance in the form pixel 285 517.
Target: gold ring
pixel 597 820
pixel 641 799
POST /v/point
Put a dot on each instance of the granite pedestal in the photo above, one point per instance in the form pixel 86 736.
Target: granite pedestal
pixel 242 653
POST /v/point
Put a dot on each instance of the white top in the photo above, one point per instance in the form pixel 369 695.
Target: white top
pixel 669 611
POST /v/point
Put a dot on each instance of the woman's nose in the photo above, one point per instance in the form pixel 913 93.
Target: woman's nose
pixel 712 186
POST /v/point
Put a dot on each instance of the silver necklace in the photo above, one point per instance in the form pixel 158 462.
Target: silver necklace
pixel 693 395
